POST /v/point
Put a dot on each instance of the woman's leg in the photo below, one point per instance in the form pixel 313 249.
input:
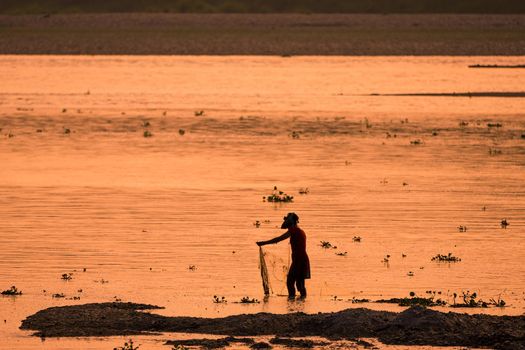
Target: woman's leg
pixel 290 281
pixel 301 287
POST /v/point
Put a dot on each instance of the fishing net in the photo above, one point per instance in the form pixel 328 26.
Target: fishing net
pixel 274 269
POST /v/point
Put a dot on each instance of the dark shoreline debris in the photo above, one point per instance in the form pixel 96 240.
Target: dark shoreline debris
pixel 414 326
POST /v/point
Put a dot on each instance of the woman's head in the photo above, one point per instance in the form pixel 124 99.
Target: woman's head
pixel 290 220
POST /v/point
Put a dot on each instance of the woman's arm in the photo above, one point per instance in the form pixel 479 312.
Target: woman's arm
pixel 282 237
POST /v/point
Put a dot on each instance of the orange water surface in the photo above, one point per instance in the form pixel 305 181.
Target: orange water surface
pixel 82 188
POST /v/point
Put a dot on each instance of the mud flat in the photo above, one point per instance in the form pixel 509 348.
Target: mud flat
pixel 414 326
pixel 263 34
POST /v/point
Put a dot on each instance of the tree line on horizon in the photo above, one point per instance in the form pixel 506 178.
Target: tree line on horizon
pixel 262 6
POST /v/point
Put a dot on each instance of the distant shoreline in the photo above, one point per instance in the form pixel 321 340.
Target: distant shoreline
pixel 264 34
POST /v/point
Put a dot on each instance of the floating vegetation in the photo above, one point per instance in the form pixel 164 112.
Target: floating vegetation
pixel 403 255
pixel 494 125
pixel 504 223
pixel 248 300
pixel 498 303
pixel 462 228
pixel 66 130
pixel 416 142
pixel 146 124
pixel 219 300
pixel 182 132
pixel 257 223
pixel 127 346
pixel 469 300
pixel 147 133
pixel 101 281
pixel 463 123
pixel 327 245
pixel 39 130
pixel 342 254
pixel 367 123
pixel 12 291
pixel 67 277
pixel 356 239
pixel 494 151
pixel 386 259
pixel 354 300
pixel 64 110
pixel 199 113
pixel 295 135
pixel 410 274
pixel 304 190
pixel 278 196
pixel 414 300
pixel 192 267
pixel 58 295
pixel 446 258
pixel 435 133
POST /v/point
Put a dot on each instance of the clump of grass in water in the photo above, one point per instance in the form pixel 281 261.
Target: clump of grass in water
pixel 67 276
pixel 469 300
pixel 327 245
pixel 127 346
pixel 147 133
pixel 446 258
pixel 414 300
pixel 219 300
pixel 248 300
pixel 199 113
pixel 12 291
pixel 278 196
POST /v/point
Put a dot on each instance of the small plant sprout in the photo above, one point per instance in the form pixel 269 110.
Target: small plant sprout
pixel 67 277
pixel 147 133
pixel 199 113
pixel 504 223
pixel 248 300
pixel 278 196
pixel 12 291
pixel 462 228
pixel 127 346
pixel 219 300
pixel 257 223
pixel 304 190
pixel 356 239
pixel 192 267
pixel 445 258
pixel 327 245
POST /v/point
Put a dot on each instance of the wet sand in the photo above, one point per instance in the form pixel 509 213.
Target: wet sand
pixel 414 326
pixel 263 34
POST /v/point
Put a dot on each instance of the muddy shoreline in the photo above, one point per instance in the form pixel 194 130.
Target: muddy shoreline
pixel 263 34
pixel 414 326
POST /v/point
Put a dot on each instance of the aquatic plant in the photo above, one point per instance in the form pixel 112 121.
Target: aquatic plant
pixel 12 291
pixel 469 300
pixel 354 300
pixel 182 132
pixel 67 276
pixel 278 196
pixel 257 223
pixel 341 254
pixel 356 239
pixel 435 133
pixel 192 267
pixel 445 258
pixel 295 135
pixel 66 130
pixel 127 346
pixel 498 303
pixel 39 130
pixel 199 113
pixel 247 300
pixel 219 300
pixel 386 259
pixel 410 274
pixel 147 133
pixel 304 190
pixel 146 124
pixel 462 228
pixel 504 223
pixel 523 136
pixel 58 295
pixel 494 125
pixel 416 142
pixel 327 245
pixel 64 110
pixel 414 300
pixel 463 123
pixel 403 255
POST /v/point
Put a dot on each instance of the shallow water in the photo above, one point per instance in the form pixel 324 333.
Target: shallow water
pixel 137 212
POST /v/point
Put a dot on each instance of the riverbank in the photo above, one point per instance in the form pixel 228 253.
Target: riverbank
pixel 414 326
pixel 263 34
